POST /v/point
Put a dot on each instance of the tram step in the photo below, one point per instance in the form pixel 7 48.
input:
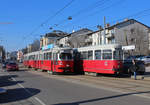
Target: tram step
pixel 91 73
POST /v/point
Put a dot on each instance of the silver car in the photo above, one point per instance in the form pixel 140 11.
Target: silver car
pixel 146 60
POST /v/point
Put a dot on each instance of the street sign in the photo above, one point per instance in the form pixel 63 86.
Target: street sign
pixel 130 47
pixel 48 47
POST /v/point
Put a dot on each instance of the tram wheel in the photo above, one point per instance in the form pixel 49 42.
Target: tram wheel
pixel 54 73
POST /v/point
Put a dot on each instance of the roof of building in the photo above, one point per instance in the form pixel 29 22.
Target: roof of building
pixel 83 31
pixel 56 33
pixel 125 21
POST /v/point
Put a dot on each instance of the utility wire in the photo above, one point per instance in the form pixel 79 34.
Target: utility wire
pixel 51 17
pixel 85 10
pixel 48 19
pixel 89 15
pixel 138 14
pixel 135 15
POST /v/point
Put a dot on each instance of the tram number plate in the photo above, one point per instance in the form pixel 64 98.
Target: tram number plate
pixel 106 63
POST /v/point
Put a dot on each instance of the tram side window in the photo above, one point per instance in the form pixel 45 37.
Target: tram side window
pixel 84 55
pixel 38 57
pixel 107 54
pixel 118 55
pixel 55 56
pixel 47 56
pixel 41 56
pixel 90 55
pixel 98 54
pixel 34 57
pixel 50 55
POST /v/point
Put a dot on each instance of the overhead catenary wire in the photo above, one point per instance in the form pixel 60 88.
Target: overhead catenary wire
pixel 139 14
pixel 51 17
pixel 77 14
pixel 135 15
pixel 48 19
pixel 103 8
pixel 84 10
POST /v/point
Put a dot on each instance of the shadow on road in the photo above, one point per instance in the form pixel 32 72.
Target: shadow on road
pixel 100 99
pixel 7 80
pixel 18 94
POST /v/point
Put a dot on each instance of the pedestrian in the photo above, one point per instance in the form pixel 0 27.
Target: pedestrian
pixel 134 67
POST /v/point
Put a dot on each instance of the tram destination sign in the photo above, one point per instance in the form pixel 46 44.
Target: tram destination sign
pixel 130 47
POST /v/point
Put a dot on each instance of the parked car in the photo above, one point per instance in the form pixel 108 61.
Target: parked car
pixel 146 60
pixel 136 57
pixel 12 66
pixel 128 65
pixel 139 57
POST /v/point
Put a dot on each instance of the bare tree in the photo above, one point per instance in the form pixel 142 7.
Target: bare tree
pixel 35 45
pixel 25 50
pixel 139 38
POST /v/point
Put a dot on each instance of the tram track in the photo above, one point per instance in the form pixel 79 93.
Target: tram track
pixel 113 83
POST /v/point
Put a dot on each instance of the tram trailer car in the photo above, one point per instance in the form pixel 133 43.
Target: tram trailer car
pixel 56 60
pixel 104 59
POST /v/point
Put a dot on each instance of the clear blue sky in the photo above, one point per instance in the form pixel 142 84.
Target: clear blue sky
pixel 27 15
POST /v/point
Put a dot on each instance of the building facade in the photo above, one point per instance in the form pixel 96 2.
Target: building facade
pixel 56 38
pixel 128 32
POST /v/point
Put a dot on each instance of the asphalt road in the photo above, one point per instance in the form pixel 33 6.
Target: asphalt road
pixel 26 88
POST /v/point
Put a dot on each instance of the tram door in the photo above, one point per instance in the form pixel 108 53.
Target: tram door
pixel 54 62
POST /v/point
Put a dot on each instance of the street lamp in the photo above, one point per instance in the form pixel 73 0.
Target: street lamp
pixel 69 18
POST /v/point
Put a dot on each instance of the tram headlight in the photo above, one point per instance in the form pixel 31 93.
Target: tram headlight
pixel 67 65
pixel 60 63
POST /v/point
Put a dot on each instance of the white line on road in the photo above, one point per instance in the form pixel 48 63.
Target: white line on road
pixel 36 98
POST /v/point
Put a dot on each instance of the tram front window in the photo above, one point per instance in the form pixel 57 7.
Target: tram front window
pixel 65 56
pixel 107 54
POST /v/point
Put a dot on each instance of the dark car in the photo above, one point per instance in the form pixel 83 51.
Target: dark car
pixel 12 66
pixel 128 66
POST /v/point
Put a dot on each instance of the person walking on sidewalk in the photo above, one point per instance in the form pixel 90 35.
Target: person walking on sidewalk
pixel 134 68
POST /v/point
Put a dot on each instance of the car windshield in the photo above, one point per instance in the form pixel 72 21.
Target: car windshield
pixel 12 63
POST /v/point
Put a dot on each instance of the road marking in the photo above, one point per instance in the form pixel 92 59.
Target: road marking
pixel 39 101
pixel 36 98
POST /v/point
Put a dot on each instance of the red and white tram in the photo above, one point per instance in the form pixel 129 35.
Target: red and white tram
pixel 56 60
pixel 105 59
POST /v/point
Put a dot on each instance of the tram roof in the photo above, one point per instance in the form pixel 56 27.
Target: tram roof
pixel 45 51
pixel 106 46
